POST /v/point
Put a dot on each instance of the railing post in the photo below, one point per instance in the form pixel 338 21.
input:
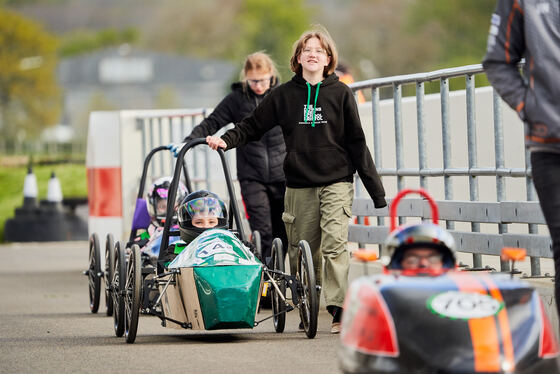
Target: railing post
pixel 397 107
pixel 446 143
pixel 533 229
pixel 195 160
pixel 152 135
pixel 376 141
pixel 140 126
pixel 420 119
pixel 171 140
pixel 471 146
pixel 160 134
pixel 499 157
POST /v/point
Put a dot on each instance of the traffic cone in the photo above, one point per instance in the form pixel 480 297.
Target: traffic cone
pixel 30 191
pixel 54 192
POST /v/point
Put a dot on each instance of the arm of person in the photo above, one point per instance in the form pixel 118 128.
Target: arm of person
pixel 220 117
pixel 506 47
pixel 252 127
pixel 359 153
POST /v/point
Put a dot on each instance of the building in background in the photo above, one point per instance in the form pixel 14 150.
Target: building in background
pixel 122 78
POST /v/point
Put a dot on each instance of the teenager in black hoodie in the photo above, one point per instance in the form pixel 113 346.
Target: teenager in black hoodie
pixel 325 146
pixel 259 162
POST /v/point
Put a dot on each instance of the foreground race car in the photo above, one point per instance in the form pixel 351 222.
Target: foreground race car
pixel 449 322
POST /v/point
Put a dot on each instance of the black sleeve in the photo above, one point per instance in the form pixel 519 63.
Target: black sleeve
pixel 358 150
pixel 220 117
pixel 168 256
pixel 255 125
pixel 506 47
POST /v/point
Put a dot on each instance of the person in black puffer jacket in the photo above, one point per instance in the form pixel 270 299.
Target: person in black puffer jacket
pixel 259 163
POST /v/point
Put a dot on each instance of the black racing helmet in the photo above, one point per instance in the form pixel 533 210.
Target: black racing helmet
pixel 420 235
pixel 203 203
pixel 157 198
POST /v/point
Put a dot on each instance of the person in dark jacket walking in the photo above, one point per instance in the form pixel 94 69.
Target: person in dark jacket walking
pixel 325 146
pixel 259 163
pixel 531 29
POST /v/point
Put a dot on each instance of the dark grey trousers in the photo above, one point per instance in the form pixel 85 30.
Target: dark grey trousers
pixel 546 177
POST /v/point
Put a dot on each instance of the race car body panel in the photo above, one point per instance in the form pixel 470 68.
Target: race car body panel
pixel 219 282
pixel 457 322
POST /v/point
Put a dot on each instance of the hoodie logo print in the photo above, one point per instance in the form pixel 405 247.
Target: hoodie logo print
pixel 309 110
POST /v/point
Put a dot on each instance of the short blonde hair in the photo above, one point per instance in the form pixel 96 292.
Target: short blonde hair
pixel 261 62
pixel 327 43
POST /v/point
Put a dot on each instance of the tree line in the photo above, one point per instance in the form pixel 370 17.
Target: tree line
pixel 375 37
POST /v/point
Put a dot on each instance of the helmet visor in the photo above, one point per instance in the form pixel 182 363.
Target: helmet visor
pixel 205 207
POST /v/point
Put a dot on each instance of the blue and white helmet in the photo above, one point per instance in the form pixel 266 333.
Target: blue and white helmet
pixel 420 235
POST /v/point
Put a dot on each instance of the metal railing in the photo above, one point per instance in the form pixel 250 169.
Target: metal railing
pixel 163 128
pixel 171 128
pixel 466 211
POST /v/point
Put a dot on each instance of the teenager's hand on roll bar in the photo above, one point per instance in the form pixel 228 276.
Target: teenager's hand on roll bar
pixel 215 142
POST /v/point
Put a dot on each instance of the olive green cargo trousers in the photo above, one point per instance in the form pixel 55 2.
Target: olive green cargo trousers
pixel 320 215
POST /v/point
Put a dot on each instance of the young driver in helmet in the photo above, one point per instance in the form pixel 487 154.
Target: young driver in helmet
pixel 198 212
pixel 420 249
pixel 150 240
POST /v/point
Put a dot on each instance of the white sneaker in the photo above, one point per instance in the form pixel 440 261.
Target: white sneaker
pixel 335 328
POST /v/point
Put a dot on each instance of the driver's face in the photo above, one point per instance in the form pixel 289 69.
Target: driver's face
pixel 205 222
pixel 422 258
pixel 161 206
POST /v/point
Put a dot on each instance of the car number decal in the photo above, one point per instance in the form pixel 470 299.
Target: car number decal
pixel 214 246
pixel 464 305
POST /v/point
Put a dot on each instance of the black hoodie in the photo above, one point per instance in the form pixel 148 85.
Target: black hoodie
pixel 260 160
pixel 326 147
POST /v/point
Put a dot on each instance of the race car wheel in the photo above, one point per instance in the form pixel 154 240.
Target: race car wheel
pixel 308 300
pixel 109 265
pixel 119 278
pixel 257 246
pixel 94 273
pixel 133 290
pixel 278 305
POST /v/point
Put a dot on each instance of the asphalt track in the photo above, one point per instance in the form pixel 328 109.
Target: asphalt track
pixel 46 327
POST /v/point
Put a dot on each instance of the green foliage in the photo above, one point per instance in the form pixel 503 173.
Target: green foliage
pixel 29 95
pixel 459 26
pixel 272 26
pixel 72 180
pixel 86 41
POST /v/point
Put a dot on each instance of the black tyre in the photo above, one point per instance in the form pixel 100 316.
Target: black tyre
pixel 278 304
pixel 94 273
pixel 133 290
pixel 117 285
pixel 309 302
pixel 109 266
pixel 256 240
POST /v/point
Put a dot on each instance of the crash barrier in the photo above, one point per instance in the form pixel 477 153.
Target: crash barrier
pixel 117 144
pixel 505 212
pixel 432 142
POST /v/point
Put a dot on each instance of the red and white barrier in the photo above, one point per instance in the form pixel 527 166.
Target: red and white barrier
pixel 103 163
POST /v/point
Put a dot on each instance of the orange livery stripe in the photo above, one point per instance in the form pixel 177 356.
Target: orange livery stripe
pixel 484 332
